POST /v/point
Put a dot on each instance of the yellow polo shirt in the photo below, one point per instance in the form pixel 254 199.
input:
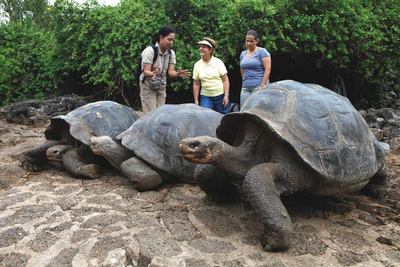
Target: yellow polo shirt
pixel 209 74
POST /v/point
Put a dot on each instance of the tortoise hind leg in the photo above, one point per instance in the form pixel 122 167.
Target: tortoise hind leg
pixel 35 159
pixel 75 165
pixel 260 188
pixel 140 174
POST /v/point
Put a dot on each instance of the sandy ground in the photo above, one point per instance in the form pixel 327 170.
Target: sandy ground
pixel 48 218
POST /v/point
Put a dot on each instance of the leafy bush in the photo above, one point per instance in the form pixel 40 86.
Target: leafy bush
pixel 96 47
pixel 26 70
pixel 102 44
pixel 356 37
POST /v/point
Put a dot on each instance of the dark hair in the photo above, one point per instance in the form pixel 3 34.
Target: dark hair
pixel 164 31
pixel 253 33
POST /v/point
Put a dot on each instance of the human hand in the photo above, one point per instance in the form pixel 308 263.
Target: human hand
pixel 183 73
pixel 262 86
pixel 225 101
pixel 155 72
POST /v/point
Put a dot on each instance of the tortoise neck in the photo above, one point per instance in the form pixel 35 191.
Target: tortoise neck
pixel 115 153
pixel 238 159
pixel 235 160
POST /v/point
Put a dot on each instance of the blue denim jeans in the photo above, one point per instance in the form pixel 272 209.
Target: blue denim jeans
pixel 214 102
pixel 246 92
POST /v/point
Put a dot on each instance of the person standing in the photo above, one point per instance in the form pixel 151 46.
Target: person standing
pixel 210 79
pixel 153 80
pixel 255 67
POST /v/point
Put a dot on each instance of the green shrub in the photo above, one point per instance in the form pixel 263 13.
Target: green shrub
pixel 99 46
pixel 26 70
pixel 102 44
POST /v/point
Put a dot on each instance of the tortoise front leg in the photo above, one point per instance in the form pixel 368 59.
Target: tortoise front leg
pixel 75 165
pixel 140 174
pixel 35 159
pixel 263 192
pixel 215 183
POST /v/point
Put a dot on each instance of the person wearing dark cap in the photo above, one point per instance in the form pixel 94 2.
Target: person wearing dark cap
pixel 210 79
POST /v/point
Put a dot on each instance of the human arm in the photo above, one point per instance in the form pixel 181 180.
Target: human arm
pixel 147 63
pixel 266 61
pixel 196 91
pixel 148 73
pixel 240 60
pixel 225 82
pixel 177 73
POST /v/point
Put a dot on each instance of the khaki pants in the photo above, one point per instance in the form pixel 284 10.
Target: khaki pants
pixel 151 99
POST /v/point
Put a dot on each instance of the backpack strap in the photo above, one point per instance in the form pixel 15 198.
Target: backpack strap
pixel 155 50
pixel 155 55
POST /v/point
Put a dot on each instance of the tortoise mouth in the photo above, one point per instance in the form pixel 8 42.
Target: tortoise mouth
pixel 56 153
pixel 54 159
pixel 193 151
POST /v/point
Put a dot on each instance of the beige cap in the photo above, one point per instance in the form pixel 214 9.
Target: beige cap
pixel 205 42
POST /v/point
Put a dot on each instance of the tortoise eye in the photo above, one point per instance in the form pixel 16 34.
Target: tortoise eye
pixel 194 144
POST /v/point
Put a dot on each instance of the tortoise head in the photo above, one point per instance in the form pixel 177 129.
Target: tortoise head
pixel 56 153
pixel 201 149
pixel 100 144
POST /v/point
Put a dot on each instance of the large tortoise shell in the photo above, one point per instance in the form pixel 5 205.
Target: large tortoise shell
pixel 93 119
pixel 155 137
pixel 324 129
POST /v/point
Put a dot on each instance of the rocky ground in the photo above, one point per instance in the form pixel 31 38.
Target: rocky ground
pixel 51 219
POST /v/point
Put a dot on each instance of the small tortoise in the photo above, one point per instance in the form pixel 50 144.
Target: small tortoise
pixel 68 137
pixel 149 154
pixel 288 138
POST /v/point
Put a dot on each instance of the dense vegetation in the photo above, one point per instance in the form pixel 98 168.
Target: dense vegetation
pixel 52 49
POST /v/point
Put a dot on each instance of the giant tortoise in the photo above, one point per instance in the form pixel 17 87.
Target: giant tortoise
pixel 68 137
pixel 148 152
pixel 288 138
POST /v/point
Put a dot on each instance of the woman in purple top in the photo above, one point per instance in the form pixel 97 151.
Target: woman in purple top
pixel 255 67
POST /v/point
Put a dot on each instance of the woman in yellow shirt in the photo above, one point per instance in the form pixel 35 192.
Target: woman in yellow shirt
pixel 210 77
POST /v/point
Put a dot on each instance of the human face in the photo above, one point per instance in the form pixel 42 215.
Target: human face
pixel 251 42
pixel 204 50
pixel 166 42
